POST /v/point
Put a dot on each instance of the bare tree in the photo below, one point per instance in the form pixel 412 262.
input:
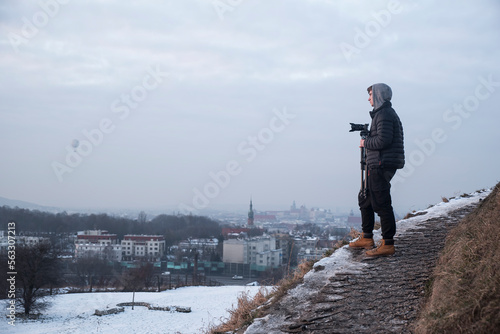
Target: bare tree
pixel 142 217
pixel 93 270
pixel 135 279
pixel 37 269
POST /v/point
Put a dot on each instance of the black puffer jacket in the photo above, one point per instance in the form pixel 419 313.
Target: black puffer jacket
pixel 385 143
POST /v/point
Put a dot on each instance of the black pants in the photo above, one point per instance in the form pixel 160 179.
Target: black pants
pixel 378 200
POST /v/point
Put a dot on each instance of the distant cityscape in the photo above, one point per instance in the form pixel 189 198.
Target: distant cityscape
pixel 287 220
pixel 252 244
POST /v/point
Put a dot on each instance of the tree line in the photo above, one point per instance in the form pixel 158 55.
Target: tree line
pixel 173 227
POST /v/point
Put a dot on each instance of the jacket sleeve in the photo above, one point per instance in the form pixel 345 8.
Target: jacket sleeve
pixel 383 135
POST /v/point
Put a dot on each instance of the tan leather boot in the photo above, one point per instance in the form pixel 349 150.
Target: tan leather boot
pixel 381 250
pixel 362 242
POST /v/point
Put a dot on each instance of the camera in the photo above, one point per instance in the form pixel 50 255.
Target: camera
pixel 363 128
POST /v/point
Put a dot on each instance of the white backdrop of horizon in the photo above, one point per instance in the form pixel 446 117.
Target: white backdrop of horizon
pixel 177 99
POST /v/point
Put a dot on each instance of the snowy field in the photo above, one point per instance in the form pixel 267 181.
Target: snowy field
pixel 73 313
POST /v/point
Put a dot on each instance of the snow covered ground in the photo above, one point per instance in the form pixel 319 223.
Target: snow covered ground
pixel 73 313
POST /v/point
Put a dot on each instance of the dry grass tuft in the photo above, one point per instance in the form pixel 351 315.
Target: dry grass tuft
pixel 243 314
pixel 465 292
pixel 292 280
pixel 354 233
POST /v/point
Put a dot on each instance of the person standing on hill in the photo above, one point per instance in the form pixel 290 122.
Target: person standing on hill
pixel 384 155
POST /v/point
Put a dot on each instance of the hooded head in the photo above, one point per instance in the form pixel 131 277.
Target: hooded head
pixel 380 93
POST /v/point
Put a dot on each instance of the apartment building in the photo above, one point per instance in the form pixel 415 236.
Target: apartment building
pixel 98 243
pixel 259 252
pixel 150 247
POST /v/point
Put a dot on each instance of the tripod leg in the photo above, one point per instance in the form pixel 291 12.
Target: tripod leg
pixel 363 171
pixel 362 180
pixel 366 180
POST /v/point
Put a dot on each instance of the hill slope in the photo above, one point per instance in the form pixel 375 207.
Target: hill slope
pixel 465 296
pixel 347 292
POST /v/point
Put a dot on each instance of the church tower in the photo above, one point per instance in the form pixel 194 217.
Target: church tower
pixel 250 214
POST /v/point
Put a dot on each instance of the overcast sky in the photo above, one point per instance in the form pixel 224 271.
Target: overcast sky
pixel 195 104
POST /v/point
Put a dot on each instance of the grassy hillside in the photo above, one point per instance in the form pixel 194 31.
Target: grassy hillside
pixel 464 296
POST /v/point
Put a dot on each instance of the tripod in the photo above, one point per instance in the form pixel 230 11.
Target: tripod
pixel 364 171
pixel 363 128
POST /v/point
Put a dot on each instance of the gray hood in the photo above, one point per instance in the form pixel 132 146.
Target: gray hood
pixel 381 93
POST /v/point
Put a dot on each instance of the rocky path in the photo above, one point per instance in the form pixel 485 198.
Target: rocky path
pixel 383 296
